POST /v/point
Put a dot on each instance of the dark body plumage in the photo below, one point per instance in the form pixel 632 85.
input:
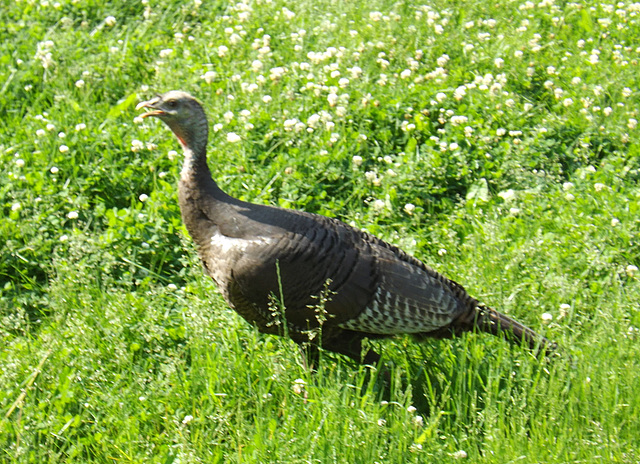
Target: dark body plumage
pixel 338 285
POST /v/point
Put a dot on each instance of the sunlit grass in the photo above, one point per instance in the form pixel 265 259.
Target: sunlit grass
pixel 496 143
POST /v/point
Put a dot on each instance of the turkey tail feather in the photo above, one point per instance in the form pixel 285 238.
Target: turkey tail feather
pixel 491 321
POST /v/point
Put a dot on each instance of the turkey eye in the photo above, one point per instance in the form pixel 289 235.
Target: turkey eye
pixel 172 103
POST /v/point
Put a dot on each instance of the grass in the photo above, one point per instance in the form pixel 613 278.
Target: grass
pixel 499 145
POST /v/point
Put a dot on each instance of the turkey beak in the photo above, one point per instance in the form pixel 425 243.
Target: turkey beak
pixel 152 105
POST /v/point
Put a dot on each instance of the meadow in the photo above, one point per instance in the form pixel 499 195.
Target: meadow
pixel 498 144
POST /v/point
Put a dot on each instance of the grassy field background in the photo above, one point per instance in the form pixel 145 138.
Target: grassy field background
pixel 497 144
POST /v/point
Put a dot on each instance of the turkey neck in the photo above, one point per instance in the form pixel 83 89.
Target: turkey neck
pixel 199 196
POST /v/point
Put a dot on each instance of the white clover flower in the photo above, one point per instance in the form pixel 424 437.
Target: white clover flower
pixel 407 126
pixel 288 13
pixel 172 154
pixel 567 186
pixel 79 83
pixel 356 160
pixel 209 76
pixel 546 318
pixel 228 116
pixel 64 238
pixel 50 127
pixel 188 418
pixel 409 208
pixel 313 120
pixel 143 197
pixel 458 120
pixel 267 99
pixel 80 127
pixel 110 21
pixel 166 52
pixel 232 137
pixel 63 148
pixel 460 92
pixel 72 215
pixel 355 72
pixel 289 124
pixel 405 74
pixel 460 454
pixel 599 187
pixel 518 53
pixel 378 205
pixel 632 123
pixel 19 162
pixel 16 207
pixel 371 176
pixel 626 92
pixel 298 386
pixel 256 65
pixel 418 421
pixel 382 422
pixel 332 98
pixel 40 132
pixel 136 145
pixel 441 96
pixel 276 73
pixel 568 102
pixel 507 195
pixel 442 60
pixel 498 62
pixel 375 16
pixel 61 135
pixel 54 170
pixel 631 270
pixel 569 197
pixel 607 111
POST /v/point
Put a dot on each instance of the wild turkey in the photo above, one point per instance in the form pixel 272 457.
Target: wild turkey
pixel 338 285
